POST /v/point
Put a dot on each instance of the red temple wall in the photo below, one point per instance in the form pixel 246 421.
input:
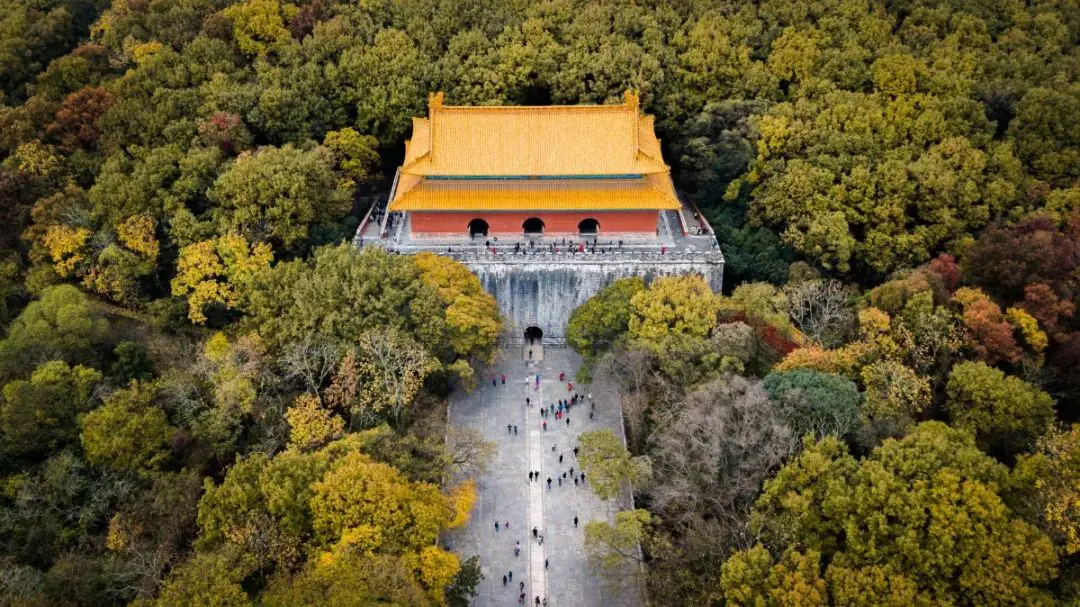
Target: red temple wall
pixel 510 223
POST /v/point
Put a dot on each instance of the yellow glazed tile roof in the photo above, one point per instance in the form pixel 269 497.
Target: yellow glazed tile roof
pixel 533 141
pixel 651 192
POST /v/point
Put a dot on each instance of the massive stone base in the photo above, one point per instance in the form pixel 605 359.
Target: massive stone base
pixel 532 292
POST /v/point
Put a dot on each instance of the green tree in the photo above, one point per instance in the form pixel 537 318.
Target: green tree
pixel 127 432
pixel 38 414
pixel 925 509
pixel 132 363
pixel 608 464
pixel 208 578
pixel 61 325
pixel 279 194
pixel 339 293
pixel 357 155
pixel 596 324
pixel 816 402
pixel 1003 412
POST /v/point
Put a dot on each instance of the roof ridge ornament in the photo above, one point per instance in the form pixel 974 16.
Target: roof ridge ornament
pixel 435 100
pixel 631 99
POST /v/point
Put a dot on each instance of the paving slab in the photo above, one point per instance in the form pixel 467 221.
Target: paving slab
pixel 555 569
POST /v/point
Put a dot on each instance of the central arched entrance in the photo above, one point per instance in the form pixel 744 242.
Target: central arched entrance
pixel 478 227
pixel 534 344
pixel 588 227
pixel 533 226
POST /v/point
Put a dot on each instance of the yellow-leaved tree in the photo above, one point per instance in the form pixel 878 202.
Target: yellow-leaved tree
pixel 217 272
pixel 673 305
pixel 472 316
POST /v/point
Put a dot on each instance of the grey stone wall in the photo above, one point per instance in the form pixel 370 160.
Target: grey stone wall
pixel 544 293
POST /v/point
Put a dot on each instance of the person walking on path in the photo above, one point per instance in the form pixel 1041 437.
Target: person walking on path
pixel 517 548
pixel 493 382
pixel 552 447
pixel 530 476
pixel 502 378
pixel 571 471
pixel 521 586
pixel 560 481
pixel 509 428
pixel 496 526
pixel 504 580
pixel 535 532
pixel 560 458
pixel 575 521
pixel 507 525
pixel 567 423
pixel 511 575
pixel 545 426
pixel 526 401
pixel 562 375
pixel 549 487
pixel 515 428
pixel 545 563
pixel 575 452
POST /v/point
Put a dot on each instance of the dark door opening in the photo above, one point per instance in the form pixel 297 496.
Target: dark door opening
pixel 478 227
pixel 533 225
pixel 533 335
pixel 589 227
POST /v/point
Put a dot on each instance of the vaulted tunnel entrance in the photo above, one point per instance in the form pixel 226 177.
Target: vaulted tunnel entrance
pixel 533 226
pixel 478 227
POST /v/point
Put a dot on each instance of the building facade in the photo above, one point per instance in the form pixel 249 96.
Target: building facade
pixel 491 171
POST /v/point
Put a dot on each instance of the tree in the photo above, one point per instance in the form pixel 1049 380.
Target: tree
pixel 1052 475
pixel 127 432
pixel 368 506
pixel 819 308
pixel 751 577
pixel 925 508
pixel 895 397
pixel 611 548
pixel 818 403
pixel 259 25
pixel 310 424
pixel 279 194
pixel 357 155
pixel 463 588
pixel 132 363
pixel 60 325
pixel 340 293
pixel 673 305
pixel 1004 412
pixel 709 461
pixel 596 324
pixel 390 370
pixel 208 578
pixel 608 464
pixel 472 315
pixel 217 272
pixel 38 414
pixel 76 120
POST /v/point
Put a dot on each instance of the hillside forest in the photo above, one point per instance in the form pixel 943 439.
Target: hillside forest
pixel 207 396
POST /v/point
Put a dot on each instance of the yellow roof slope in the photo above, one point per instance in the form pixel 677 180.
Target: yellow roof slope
pixel 651 192
pixel 533 141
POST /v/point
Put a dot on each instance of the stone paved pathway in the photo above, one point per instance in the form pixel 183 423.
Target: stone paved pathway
pixel 506 495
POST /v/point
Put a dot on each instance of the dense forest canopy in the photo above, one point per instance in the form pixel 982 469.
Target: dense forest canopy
pixel 199 378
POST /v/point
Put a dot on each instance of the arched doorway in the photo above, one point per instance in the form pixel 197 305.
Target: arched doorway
pixel 534 335
pixel 588 227
pixel 533 225
pixel 478 227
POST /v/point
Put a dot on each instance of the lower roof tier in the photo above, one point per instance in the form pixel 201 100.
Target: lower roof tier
pixel 651 192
